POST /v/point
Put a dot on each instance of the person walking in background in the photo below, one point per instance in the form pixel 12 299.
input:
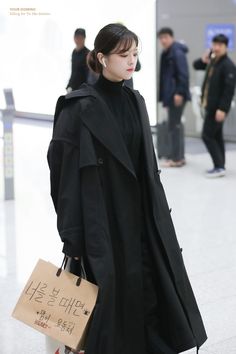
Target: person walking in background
pixel 79 67
pixel 174 91
pixel 217 93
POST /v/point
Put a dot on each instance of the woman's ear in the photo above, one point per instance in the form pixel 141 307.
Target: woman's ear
pixel 102 59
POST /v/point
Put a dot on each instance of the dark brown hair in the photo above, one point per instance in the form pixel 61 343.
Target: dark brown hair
pixel 165 30
pixel 80 32
pixel 113 38
pixel 221 38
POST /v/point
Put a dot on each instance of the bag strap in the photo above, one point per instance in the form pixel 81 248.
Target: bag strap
pixel 63 265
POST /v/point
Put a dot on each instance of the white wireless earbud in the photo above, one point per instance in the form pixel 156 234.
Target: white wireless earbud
pixel 104 63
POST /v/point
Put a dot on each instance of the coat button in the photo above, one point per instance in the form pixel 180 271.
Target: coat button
pixel 100 161
pixel 159 172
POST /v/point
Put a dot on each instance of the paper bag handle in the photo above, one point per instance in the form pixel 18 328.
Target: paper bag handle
pixel 63 266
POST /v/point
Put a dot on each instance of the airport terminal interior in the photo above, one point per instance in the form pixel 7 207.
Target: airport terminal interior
pixel 203 209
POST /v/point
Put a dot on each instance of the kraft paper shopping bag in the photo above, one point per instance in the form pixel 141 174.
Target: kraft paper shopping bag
pixel 57 303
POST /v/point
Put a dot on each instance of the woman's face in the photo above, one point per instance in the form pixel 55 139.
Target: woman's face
pixel 120 66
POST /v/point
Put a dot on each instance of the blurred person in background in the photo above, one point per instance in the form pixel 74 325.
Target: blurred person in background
pixel 217 94
pixel 79 67
pixel 112 213
pixel 174 91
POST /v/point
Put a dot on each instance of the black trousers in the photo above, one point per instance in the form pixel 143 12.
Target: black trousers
pixel 212 135
pixel 174 125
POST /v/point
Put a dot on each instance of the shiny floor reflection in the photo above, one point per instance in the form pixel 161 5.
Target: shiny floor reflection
pixel 203 212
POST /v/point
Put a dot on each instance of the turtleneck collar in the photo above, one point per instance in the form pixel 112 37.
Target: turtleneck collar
pixel 109 86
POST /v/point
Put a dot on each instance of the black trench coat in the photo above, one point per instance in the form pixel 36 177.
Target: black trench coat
pixel 97 198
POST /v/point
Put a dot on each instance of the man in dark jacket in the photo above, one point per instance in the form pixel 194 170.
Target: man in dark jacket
pixel 217 94
pixel 79 68
pixel 174 91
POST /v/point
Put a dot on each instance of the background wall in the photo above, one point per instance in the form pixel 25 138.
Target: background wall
pixel 189 20
pixel 36 46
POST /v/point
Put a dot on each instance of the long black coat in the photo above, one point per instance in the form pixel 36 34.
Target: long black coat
pixel 221 84
pixel 97 199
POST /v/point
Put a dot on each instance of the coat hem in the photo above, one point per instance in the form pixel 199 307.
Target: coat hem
pixel 190 345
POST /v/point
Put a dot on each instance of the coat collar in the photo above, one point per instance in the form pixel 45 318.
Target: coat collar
pixel 100 121
pixel 220 60
pixel 97 116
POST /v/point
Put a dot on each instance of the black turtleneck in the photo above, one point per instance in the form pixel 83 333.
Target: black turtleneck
pixel 122 104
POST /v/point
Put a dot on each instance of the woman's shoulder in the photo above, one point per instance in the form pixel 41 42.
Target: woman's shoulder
pixel 86 93
pixel 69 108
pixel 75 101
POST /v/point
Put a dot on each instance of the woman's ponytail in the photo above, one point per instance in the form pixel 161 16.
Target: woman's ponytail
pixel 93 62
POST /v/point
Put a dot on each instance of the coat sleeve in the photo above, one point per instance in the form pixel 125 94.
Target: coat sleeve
pixel 199 64
pixel 228 88
pixel 63 160
pixel 182 74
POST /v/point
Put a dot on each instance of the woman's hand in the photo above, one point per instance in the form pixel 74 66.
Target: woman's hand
pixel 75 258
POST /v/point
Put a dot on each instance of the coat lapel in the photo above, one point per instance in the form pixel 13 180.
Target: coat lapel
pixel 147 135
pixel 101 123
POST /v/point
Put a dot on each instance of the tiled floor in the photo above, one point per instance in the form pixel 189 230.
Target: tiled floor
pixel 203 211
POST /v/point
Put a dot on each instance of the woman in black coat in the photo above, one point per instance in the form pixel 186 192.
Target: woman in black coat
pixel 112 213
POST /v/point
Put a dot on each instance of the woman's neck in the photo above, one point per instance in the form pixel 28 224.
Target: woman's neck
pixel 111 77
pixel 108 86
